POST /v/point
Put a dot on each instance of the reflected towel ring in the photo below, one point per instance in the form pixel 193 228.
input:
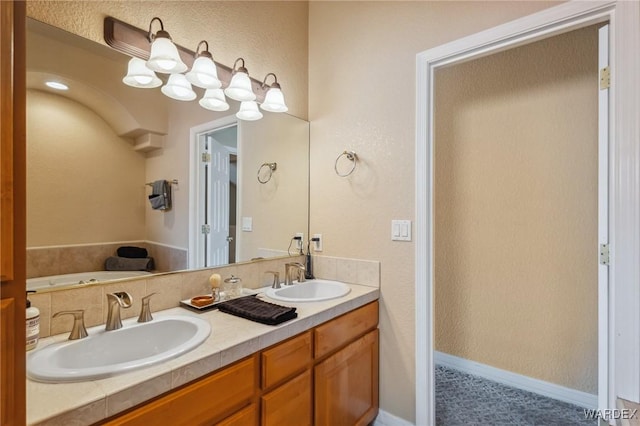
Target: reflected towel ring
pixel 271 167
pixel 351 156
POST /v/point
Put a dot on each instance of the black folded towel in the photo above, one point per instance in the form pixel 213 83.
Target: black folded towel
pixel 254 309
pixel 132 252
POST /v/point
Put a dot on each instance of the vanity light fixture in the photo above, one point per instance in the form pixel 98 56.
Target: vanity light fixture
pixel 274 99
pixel 138 75
pixel 249 111
pixel 164 55
pixel 56 85
pixel 240 85
pixel 203 73
pixel 214 100
pixel 178 88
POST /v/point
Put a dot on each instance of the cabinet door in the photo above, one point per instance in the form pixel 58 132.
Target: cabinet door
pixel 289 404
pixel 346 384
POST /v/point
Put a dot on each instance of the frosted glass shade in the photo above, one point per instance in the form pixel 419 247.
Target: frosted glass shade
pixel 138 75
pixel 164 57
pixel 240 88
pixel 214 100
pixel 274 101
pixel 178 88
pixel 204 74
pixel 249 111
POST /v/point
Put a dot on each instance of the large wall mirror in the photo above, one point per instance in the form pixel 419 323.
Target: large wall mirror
pixel 95 149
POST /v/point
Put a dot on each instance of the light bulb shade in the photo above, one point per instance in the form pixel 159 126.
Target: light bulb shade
pixel 164 57
pixel 274 101
pixel 214 100
pixel 204 74
pixel 178 88
pixel 249 111
pixel 240 87
pixel 138 75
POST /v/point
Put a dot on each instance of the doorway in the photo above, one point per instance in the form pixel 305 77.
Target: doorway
pixel 215 174
pixel 516 228
pixel 618 351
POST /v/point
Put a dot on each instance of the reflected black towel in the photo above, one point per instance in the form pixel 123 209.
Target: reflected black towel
pixel 115 263
pixel 132 252
pixel 254 309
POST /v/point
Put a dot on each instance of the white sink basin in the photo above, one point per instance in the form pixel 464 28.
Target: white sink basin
pixel 309 291
pixel 107 353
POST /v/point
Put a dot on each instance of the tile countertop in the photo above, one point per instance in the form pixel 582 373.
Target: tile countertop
pixel 232 338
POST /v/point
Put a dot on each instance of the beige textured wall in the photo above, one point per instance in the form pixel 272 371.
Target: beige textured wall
pixel 270 36
pixel 67 143
pixel 517 210
pixel 280 207
pixel 362 97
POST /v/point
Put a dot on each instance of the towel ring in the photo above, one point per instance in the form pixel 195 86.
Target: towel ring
pixel 351 156
pixel 271 167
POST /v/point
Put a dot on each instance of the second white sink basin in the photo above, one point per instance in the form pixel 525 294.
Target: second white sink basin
pixel 107 353
pixel 309 291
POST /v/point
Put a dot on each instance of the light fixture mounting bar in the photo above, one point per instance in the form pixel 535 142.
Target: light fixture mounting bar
pixel 133 41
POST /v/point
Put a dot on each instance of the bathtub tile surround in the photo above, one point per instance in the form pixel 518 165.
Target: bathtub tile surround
pixel 172 288
pixel 68 259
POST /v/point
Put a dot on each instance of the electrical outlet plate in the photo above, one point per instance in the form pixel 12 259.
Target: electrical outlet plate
pixel 299 243
pixel 317 245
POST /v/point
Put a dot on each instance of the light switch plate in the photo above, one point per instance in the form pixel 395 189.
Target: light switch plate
pixel 247 224
pixel 401 230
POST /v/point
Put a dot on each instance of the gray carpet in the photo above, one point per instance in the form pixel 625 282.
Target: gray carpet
pixel 466 400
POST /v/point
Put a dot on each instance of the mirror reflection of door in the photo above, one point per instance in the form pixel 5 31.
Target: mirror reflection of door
pixel 216 203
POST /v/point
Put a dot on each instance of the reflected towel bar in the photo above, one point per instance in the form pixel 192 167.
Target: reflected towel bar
pixel 172 182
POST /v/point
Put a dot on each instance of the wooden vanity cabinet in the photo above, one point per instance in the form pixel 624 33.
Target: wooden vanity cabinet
pixel 324 376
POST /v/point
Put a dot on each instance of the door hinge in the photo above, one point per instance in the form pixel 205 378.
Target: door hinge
pixel 206 157
pixel 605 78
pixel 604 254
pixel 206 229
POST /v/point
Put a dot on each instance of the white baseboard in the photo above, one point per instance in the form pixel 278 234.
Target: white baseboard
pixel 529 384
pixel 387 419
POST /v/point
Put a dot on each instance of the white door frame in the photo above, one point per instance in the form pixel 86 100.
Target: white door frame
pixel 623 314
pixel 194 184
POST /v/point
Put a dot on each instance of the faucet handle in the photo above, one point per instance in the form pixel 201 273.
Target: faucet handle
pixel 145 311
pixel 276 278
pixel 78 331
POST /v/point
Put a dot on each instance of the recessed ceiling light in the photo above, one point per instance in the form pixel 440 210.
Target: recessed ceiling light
pixel 56 85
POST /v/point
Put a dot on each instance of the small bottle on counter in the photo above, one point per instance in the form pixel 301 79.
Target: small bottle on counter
pixel 33 325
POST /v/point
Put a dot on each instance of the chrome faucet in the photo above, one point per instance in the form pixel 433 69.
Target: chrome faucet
pixel 78 331
pixel 276 278
pixel 145 311
pixel 294 267
pixel 115 301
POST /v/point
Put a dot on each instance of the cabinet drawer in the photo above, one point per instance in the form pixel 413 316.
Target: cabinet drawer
pixel 245 417
pixel 289 404
pixel 342 330
pixel 202 403
pixel 286 359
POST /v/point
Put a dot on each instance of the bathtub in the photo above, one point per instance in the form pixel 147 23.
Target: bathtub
pixel 40 283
